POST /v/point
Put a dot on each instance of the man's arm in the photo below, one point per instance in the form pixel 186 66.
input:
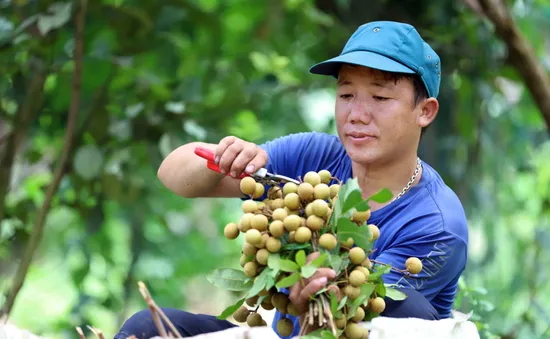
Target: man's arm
pixel 186 174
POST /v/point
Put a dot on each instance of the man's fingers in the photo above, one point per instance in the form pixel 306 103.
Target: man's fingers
pixel 259 161
pixel 222 146
pixel 243 158
pixel 229 155
pixel 312 256
pixel 309 290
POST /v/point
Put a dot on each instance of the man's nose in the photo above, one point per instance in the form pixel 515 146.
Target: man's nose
pixel 360 113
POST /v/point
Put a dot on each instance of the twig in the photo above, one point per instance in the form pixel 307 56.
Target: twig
pixel 80 333
pixel 96 331
pixel 151 303
pixel 40 220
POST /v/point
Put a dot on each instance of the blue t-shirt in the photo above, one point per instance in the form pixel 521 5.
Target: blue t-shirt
pixel 427 222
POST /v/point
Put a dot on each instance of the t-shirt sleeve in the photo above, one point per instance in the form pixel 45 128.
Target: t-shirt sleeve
pixel 443 256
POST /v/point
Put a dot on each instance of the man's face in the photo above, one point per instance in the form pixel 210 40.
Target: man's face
pixel 377 119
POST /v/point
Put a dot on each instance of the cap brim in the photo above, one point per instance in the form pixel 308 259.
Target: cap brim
pixel 359 58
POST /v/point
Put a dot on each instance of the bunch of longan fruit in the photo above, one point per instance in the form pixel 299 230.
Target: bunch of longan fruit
pixel 300 214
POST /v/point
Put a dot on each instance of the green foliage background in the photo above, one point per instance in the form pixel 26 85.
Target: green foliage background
pixel 158 74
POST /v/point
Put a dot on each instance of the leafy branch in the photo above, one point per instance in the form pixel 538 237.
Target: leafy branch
pixel 40 220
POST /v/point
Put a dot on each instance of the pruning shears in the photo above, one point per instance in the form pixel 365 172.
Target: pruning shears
pixel 261 175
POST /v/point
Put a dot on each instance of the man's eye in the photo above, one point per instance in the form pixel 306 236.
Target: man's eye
pixel 346 96
pixel 379 98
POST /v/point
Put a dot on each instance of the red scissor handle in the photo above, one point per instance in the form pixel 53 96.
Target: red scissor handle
pixel 209 156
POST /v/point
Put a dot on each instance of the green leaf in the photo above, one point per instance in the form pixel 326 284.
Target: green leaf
pixel 352 199
pixel 319 261
pixel 289 266
pixel 336 263
pixel 308 270
pixel 260 283
pixel 360 234
pixel 342 302
pixel 289 281
pixel 301 258
pixel 382 196
pixel 394 294
pixel 295 246
pixel 363 206
pixel 356 303
pixel 231 309
pixel 333 302
pixel 367 289
pixel 274 262
pixel 379 271
pixel 380 290
pixel 229 279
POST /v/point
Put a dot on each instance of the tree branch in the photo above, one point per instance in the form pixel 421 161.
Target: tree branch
pixel 25 114
pixel 40 220
pixel 521 54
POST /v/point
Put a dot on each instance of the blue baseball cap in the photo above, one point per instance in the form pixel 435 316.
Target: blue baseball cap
pixel 388 46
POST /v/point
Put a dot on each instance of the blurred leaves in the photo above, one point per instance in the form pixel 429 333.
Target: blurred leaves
pixel 160 74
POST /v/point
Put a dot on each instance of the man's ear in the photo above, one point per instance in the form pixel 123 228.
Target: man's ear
pixel 428 112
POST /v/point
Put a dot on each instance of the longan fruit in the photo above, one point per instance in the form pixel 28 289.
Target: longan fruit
pixel 325 176
pixel 413 265
pixel 241 314
pixel 244 222
pixel 375 231
pixel 340 322
pixel 249 249
pixel 306 191
pixel 254 319
pixel 353 331
pixel 361 216
pixel 348 243
pixel 273 245
pixel 290 187
pixel 308 210
pixel 351 292
pixel 328 241
pixel 359 315
pixel 275 192
pixel 357 255
pixel 279 214
pixel 277 228
pixel 277 203
pixel 367 263
pixel 231 231
pixel 334 189
pixel 248 185
pixel 250 269
pixel 303 235
pixel 280 300
pixel 320 208
pixel 377 305
pixel 292 201
pixel 266 305
pixel 285 327
pixel 259 222
pixel 259 191
pixel 291 309
pixel 292 222
pixel 315 223
pixel 356 278
pixel 253 236
pixel 263 241
pixel 261 256
pixel 249 206
pixel 321 191
pixel 252 301
pixel 313 178
pixel 365 271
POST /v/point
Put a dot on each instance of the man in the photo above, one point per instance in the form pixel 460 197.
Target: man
pixel 387 85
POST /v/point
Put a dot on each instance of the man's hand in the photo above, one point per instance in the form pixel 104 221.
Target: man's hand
pixel 234 156
pixel 299 295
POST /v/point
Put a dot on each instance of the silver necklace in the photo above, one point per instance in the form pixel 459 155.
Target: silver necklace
pixel 413 178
